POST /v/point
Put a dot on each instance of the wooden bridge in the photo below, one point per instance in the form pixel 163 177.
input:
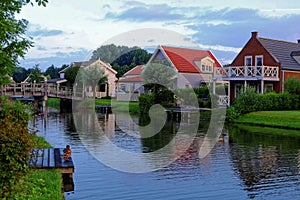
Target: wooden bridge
pixel 38 90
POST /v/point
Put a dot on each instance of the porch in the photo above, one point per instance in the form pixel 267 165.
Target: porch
pixel 262 78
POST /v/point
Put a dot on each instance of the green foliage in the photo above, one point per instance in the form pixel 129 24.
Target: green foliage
pixel 292 85
pixel 145 102
pixel 122 58
pixel 250 101
pixel 15 143
pixel 247 101
pixel 20 74
pixel 158 77
pixel 52 72
pixel 36 75
pixel 38 185
pixel 13 42
pixel 71 74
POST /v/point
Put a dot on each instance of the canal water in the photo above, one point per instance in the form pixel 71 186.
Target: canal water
pixel 246 163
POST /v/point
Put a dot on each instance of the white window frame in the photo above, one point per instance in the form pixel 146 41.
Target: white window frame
pixel 245 60
pixel 269 85
pixel 262 60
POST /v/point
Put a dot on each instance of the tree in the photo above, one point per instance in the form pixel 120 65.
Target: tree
pixel 91 76
pixel 20 74
pixel 36 75
pixel 52 72
pixel 71 74
pixel 13 41
pixel 158 79
pixel 122 58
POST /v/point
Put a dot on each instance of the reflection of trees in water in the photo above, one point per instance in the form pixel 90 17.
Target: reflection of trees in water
pixel 160 139
pixel 262 160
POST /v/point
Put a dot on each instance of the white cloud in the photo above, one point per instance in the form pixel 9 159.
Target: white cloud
pixel 73 25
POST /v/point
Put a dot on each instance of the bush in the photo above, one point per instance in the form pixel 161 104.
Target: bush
pixel 145 102
pixel 292 86
pixel 250 101
pixel 15 144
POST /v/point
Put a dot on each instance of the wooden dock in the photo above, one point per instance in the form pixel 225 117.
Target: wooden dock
pixel 50 158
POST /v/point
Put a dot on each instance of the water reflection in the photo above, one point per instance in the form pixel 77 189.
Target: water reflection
pixel 265 162
pixel 243 164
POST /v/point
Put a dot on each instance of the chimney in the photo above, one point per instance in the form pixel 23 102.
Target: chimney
pixel 298 41
pixel 254 34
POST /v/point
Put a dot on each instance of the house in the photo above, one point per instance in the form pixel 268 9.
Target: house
pixel 130 85
pixel 107 89
pixel 194 67
pixel 263 64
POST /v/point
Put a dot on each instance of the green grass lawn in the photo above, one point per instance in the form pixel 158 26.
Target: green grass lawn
pixel 39 184
pixel 280 119
pixel 118 106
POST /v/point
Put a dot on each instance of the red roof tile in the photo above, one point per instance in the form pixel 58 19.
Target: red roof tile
pixel 135 71
pixel 131 79
pixel 184 58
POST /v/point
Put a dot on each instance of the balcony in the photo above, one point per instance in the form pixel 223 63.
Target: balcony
pixel 270 73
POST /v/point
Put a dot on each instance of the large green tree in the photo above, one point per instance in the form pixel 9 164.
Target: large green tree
pixel 122 58
pixel 20 74
pixel 13 41
pixel 71 74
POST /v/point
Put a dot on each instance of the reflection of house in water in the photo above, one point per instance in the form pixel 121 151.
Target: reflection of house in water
pixel 107 123
pixel 127 124
pixel 261 160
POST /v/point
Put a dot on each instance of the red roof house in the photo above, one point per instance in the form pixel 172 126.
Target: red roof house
pixel 194 66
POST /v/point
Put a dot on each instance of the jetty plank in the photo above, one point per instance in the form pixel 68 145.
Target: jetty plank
pixel 50 158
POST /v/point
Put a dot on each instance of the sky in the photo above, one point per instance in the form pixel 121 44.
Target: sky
pixel 70 30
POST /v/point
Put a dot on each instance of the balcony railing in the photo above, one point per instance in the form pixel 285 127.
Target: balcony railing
pixel 248 72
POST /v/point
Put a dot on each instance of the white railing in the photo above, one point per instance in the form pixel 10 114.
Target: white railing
pixel 233 72
pixel 223 100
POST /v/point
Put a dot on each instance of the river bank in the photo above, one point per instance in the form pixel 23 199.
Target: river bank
pixel 277 119
pixel 39 184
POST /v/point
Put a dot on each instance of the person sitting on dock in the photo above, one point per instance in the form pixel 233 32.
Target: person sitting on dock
pixel 67 153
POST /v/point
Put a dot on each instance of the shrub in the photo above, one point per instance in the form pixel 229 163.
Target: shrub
pixel 15 143
pixel 292 85
pixel 145 102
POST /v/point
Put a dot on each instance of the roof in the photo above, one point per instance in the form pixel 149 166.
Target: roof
pixel 88 63
pixel 134 71
pixel 57 80
pixel 131 79
pixel 184 59
pixel 282 52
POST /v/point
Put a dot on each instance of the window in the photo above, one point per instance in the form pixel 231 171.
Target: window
pixel 258 60
pixel 237 90
pixel 269 87
pixel 248 60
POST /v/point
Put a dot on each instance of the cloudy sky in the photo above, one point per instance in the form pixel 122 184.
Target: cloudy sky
pixel 69 30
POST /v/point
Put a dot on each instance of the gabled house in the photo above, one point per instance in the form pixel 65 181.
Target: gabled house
pixel 263 64
pixel 107 89
pixel 194 67
pixel 130 84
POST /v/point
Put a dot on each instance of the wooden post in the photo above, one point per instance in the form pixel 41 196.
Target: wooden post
pixel 228 90
pixel 262 86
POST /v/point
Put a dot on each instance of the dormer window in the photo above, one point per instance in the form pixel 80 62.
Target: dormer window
pixel 205 65
pixel 296 56
pixel 258 60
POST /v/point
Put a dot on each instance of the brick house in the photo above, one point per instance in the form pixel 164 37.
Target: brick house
pixel 263 64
